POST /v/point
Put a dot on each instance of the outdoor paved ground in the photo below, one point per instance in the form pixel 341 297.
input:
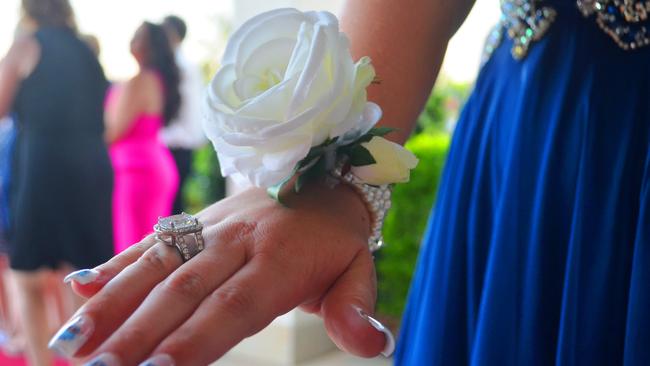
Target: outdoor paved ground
pixel 333 359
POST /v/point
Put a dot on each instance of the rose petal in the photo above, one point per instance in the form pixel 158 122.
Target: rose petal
pixel 300 52
pixel 253 25
pixel 271 103
pixel 221 93
pixel 309 73
pixel 274 54
pixel 285 26
pixel 288 153
pixel 323 17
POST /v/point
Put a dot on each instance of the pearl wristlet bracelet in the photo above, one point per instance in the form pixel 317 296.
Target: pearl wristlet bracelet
pixel 378 202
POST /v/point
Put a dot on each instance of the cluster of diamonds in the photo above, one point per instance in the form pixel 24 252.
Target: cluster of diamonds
pixel 626 21
pixel 173 230
pixel 378 202
pixel 524 23
pixel 183 248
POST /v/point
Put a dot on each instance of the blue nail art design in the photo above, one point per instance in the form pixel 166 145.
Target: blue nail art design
pixel 72 336
pixel 159 360
pixel 97 363
pixel 70 333
pixel 83 276
pixel 105 359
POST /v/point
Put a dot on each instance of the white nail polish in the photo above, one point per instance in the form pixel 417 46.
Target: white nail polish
pixel 83 277
pixel 72 336
pixel 159 360
pixel 105 359
pixel 389 348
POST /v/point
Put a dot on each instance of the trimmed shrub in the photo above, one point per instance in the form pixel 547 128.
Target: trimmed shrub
pixel 407 221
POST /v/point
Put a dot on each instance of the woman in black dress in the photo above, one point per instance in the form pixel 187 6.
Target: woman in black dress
pixel 62 180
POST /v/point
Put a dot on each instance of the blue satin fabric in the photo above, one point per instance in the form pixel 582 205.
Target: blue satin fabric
pixel 538 248
pixel 7 137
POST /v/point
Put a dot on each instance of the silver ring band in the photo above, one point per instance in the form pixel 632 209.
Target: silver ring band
pixel 182 232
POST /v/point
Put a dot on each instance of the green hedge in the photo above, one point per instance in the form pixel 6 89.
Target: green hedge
pixel 205 184
pixel 406 222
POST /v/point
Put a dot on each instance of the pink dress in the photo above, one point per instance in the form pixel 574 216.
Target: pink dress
pixel 146 179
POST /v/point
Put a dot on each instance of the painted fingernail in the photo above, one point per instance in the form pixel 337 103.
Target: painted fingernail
pixel 389 348
pixel 159 360
pixel 105 359
pixel 72 336
pixel 83 276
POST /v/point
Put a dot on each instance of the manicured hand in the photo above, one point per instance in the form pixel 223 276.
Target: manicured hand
pixel 261 260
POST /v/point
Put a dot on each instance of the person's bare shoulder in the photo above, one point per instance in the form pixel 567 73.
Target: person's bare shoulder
pixel 23 56
pixel 145 81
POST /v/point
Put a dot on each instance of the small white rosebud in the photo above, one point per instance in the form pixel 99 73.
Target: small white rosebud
pixel 393 163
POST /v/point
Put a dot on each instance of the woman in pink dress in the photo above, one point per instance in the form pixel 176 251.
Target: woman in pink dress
pixel 146 179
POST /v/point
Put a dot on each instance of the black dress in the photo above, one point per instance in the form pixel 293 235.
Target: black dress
pixel 62 179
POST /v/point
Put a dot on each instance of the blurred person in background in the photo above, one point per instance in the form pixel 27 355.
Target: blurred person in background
pixel 184 134
pixel 92 42
pixel 60 199
pixel 146 178
pixel 8 324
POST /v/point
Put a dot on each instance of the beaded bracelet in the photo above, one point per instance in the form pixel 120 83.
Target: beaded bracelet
pixel 377 200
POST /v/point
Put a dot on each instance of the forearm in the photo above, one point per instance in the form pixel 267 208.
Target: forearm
pixel 8 85
pixel 406 41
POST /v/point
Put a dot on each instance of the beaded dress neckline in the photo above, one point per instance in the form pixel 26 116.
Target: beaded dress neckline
pixel 525 22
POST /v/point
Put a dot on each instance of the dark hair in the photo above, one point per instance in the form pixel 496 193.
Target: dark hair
pixel 176 24
pixel 161 58
pixel 52 13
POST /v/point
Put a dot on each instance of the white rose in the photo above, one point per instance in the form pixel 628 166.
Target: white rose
pixel 287 83
pixel 393 163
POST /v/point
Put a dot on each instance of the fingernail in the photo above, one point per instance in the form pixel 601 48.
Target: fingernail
pixel 159 360
pixel 83 276
pixel 389 348
pixel 105 359
pixel 72 336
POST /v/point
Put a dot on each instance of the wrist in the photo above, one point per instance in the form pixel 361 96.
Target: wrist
pixel 377 199
pixel 341 201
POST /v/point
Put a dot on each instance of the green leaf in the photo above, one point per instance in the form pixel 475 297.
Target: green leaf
pixel 360 156
pixel 375 132
pixel 313 173
pixel 381 131
pixel 300 182
pixel 314 152
pixel 276 190
pixel 365 138
pixel 306 161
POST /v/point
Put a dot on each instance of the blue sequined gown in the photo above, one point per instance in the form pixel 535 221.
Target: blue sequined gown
pixel 538 248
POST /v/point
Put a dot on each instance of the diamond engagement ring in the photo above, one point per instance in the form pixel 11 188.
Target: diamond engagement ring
pixel 181 231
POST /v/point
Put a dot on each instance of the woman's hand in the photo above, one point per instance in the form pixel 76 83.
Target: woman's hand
pixel 261 260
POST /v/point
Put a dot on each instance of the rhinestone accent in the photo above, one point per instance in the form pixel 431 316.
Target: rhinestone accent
pixel 377 200
pixel 179 224
pixel 627 22
pixel 183 232
pixel 524 22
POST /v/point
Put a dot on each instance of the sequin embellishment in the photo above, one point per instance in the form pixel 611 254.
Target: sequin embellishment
pixel 527 21
pixel 626 21
pixel 524 22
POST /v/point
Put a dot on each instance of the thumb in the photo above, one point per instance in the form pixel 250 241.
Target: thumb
pixel 346 309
